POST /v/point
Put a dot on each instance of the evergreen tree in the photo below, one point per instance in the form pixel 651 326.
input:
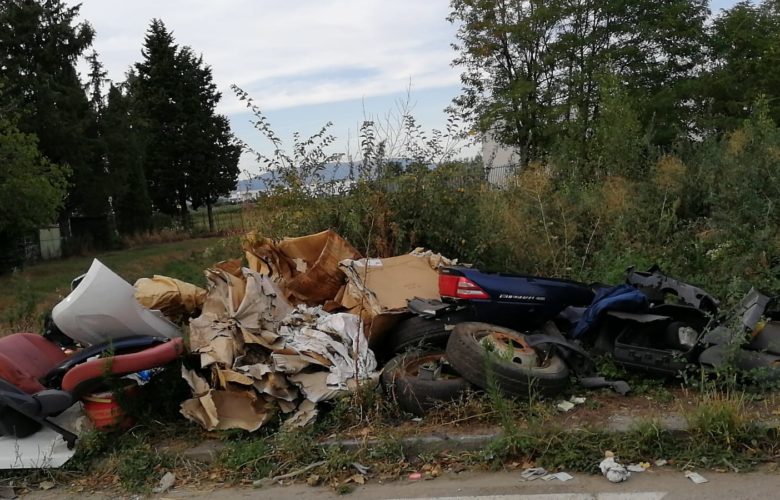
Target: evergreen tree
pixel 158 104
pixel 40 43
pixel 131 203
pixel 190 157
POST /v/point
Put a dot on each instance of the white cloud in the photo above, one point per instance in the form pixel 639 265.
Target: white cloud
pixel 290 53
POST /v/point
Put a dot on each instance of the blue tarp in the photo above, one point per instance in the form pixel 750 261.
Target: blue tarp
pixel 623 298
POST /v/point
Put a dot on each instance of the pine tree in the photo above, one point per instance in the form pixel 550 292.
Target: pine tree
pixel 190 158
pixel 130 197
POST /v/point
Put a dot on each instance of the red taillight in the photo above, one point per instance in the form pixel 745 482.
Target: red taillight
pixel 460 287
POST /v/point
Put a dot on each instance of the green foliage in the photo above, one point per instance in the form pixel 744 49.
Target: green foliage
pixel 40 43
pixel 32 189
pixel 252 456
pixel 137 467
pixel 531 71
pixel 125 154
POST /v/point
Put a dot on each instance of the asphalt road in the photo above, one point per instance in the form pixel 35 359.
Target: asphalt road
pixel 651 485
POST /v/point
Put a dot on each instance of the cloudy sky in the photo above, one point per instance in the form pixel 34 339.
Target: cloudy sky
pixel 305 62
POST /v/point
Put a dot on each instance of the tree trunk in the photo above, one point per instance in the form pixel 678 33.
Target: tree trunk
pixel 211 217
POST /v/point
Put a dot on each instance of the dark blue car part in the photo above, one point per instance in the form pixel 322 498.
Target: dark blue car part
pixel 623 298
pixel 515 301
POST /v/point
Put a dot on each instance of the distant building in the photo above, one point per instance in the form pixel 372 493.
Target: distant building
pixel 500 162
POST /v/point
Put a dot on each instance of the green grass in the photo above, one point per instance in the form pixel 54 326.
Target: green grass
pixel 27 295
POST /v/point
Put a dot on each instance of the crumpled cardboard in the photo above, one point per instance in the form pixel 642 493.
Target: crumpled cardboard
pixel 378 289
pixel 306 268
pixel 259 355
pixel 176 299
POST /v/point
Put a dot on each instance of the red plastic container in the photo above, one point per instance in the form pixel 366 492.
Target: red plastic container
pixel 106 413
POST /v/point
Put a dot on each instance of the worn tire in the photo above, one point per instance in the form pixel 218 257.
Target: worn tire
pixel 421 333
pixel 470 359
pixel 416 395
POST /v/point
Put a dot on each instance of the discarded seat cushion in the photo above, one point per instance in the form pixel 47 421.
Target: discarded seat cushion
pixel 85 376
pixel 27 357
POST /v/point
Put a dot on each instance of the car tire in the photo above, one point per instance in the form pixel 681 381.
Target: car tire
pixel 419 332
pixel 417 395
pixel 466 353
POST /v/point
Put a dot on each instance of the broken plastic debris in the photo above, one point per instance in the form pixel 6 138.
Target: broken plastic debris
pixel 660 462
pixel 415 476
pixel 612 470
pixel 360 468
pixel 103 308
pixel 569 404
pixel 532 473
pixel 635 468
pixel 696 477
pixel 560 476
pixel 166 483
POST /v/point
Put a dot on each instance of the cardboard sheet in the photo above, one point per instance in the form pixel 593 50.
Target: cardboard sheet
pixel 259 355
pixel 175 298
pixel 378 289
pixel 306 268
pixel 223 410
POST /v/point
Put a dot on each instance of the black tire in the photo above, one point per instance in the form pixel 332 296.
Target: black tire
pixel 468 356
pixel 419 332
pixel 417 395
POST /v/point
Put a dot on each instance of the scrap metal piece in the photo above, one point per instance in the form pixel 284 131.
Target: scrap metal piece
pixel 653 280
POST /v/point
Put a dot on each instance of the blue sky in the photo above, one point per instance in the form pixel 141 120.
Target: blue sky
pixel 305 62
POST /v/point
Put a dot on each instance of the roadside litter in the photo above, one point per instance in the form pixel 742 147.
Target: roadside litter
pixel 612 470
pixel 696 477
pixel 304 320
pixel 569 404
pixel 533 473
pixel 560 476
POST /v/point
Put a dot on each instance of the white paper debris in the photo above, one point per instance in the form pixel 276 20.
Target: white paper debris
pixel 560 476
pixel 166 483
pixel 569 404
pixel 565 406
pixel 696 477
pixel 612 470
pixel 264 356
pixel 533 473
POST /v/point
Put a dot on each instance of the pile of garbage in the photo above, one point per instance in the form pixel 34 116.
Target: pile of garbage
pixel 268 340
pixel 308 319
